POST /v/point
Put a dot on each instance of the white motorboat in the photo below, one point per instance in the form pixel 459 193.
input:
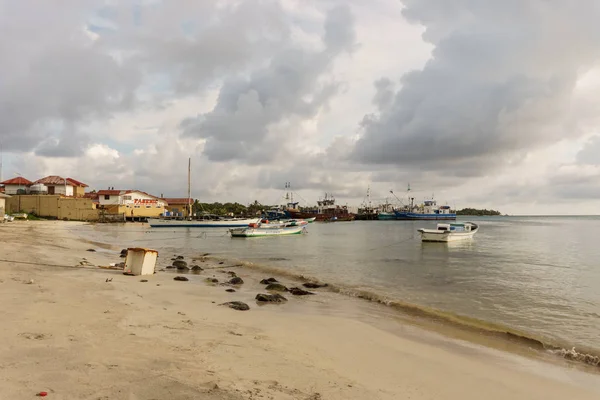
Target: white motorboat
pixel 259 230
pixel 449 232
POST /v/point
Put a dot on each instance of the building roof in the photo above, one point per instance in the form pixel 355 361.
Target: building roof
pixel 54 180
pixel 76 182
pixel 110 192
pixel 177 200
pixel 19 180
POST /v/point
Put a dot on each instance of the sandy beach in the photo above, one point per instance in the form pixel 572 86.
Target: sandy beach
pixel 78 331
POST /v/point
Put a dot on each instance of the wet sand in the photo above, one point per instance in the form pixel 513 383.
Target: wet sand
pixel 67 331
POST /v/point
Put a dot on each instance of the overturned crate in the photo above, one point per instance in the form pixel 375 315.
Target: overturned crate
pixel 140 261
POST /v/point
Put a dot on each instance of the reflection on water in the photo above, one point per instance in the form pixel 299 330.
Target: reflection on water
pixel 539 275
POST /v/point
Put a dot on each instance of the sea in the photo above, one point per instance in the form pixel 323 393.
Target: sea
pixel 538 277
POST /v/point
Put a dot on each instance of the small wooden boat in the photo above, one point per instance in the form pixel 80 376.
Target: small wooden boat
pixel 449 232
pixel 260 230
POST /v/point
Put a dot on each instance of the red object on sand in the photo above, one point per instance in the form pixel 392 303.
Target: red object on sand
pixel 42 394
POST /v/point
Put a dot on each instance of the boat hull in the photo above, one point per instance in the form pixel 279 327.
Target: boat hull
pixel 408 216
pixel 262 232
pixel 182 223
pixel 320 217
pixel 386 216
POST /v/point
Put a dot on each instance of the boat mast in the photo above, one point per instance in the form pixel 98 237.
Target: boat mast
pixel 189 187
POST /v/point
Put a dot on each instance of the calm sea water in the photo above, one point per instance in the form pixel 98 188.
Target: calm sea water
pixel 539 275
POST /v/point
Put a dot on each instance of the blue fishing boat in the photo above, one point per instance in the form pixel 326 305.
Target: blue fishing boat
pixel 429 210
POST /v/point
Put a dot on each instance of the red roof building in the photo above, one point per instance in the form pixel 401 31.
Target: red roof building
pixel 19 180
pixel 16 185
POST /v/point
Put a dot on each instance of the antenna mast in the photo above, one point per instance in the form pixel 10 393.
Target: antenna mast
pixel 189 187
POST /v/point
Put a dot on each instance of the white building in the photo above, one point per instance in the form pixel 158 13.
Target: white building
pixel 16 185
pixel 113 197
pixel 3 198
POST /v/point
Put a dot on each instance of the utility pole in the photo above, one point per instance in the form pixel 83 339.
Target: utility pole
pixel 189 187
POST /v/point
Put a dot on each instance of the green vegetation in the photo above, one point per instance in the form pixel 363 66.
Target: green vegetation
pixel 475 211
pixel 227 208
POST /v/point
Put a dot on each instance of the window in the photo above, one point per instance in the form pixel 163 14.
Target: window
pixel 136 206
pixel 107 197
pixel 148 206
pixel 126 197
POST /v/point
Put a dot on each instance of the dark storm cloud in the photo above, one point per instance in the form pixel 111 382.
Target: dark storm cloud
pixel 53 72
pixel 499 83
pixel 291 85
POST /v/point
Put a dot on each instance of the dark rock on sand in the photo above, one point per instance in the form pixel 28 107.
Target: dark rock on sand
pixel 270 298
pixel 212 280
pixel 171 267
pixel 221 262
pixel 197 268
pixel 182 268
pixel 179 263
pixel 123 255
pixel 314 285
pixel 144 280
pixel 179 258
pixel 124 252
pixel 230 290
pixel 91 250
pixel 299 292
pixel 236 280
pixel 269 280
pixel 276 287
pixel 237 305
pixel 180 278
pixel 231 273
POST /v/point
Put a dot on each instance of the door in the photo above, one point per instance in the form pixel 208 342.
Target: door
pixel 50 189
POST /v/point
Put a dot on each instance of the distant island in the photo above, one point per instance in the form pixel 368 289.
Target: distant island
pixel 475 211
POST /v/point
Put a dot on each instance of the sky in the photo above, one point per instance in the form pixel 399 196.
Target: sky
pixel 481 104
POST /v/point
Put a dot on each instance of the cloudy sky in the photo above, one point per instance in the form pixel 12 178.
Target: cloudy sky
pixel 481 103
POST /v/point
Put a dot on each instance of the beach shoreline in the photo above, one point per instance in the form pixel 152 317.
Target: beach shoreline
pixel 76 335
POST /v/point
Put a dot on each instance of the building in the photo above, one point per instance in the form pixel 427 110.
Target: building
pixel 3 198
pixel 134 204
pixel 65 186
pixel 16 185
pixel 178 205
pixel 78 187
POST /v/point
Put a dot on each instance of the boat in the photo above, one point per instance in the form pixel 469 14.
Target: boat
pixel 366 212
pixel 206 221
pixel 326 210
pixel 449 232
pixel 386 216
pixel 429 210
pixel 261 230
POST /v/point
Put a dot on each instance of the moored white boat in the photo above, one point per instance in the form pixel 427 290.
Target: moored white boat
pixel 200 223
pixel 449 232
pixel 258 230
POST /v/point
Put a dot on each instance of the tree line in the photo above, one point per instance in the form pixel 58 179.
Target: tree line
pixel 475 211
pixel 228 208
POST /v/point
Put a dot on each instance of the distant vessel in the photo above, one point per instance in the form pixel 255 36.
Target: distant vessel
pixel 326 210
pixel 429 210
pixel 366 212
pixel 449 232
pixel 386 216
